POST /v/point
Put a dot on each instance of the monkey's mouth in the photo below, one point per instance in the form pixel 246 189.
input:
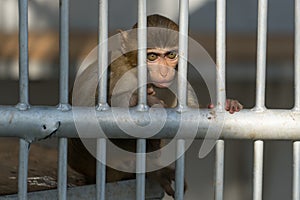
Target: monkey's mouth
pixel 163 84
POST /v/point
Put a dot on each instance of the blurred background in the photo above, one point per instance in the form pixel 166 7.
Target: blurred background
pixel 241 63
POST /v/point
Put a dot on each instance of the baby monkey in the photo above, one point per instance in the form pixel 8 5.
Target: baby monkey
pixel 162 63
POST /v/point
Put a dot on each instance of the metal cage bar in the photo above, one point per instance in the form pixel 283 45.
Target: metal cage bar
pixel 62 168
pixel 23 169
pixel 101 169
pixel 182 93
pixel 102 96
pixel 260 95
pixel 258 170
pixel 296 170
pixel 261 54
pixel 179 178
pixel 296 145
pixel 183 52
pixel 221 53
pixel 24 96
pixel 23 55
pixel 103 54
pixel 142 47
pixel 63 95
pixel 297 55
pixel 140 169
pixel 221 91
pixel 64 51
pixel 142 97
pixel 287 123
pixel 219 170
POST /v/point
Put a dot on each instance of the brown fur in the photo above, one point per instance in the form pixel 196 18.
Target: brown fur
pixel 79 158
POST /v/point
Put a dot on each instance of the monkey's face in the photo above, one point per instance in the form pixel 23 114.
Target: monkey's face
pixel 161 65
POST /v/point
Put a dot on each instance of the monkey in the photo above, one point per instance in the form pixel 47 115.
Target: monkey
pixel 162 61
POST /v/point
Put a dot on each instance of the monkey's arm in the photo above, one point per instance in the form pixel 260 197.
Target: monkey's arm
pixel 122 93
pixel 192 98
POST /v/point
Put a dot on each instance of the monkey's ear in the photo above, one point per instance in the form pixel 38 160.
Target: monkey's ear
pixel 124 40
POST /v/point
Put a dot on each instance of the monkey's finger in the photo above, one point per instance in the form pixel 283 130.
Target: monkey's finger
pixel 233 106
pixel 150 91
pixel 210 106
pixel 228 105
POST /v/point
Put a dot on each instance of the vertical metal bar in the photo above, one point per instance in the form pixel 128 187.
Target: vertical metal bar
pixel 23 169
pixel 140 169
pixel 23 55
pixel 296 145
pixel 103 54
pixel 296 173
pixel 64 51
pixel 102 95
pixel 179 179
pixel 62 168
pixel 63 95
pixel 101 168
pixel 142 47
pixel 221 53
pixel 24 97
pixel 297 55
pixel 258 170
pixel 219 167
pixel 183 52
pixel 221 91
pixel 261 54
pixel 142 94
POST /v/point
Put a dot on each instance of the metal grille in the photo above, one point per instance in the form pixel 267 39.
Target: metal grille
pixel 281 124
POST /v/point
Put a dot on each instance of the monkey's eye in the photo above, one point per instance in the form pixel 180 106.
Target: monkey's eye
pixel 152 56
pixel 172 55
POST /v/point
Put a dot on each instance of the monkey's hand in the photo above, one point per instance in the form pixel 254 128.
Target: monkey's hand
pixel 156 102
pixel 151 101
pixel 164 177
pixel 150 90
pixel 231 106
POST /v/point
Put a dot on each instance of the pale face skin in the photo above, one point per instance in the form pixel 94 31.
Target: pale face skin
pixel 161 66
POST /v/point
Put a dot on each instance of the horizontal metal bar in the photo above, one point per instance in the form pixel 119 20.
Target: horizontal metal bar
pixel 41 122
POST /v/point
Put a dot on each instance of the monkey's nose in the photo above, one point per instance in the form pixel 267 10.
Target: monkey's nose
pixel 164 72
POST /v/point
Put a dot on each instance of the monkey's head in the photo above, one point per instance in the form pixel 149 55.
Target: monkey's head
pixel 162 49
